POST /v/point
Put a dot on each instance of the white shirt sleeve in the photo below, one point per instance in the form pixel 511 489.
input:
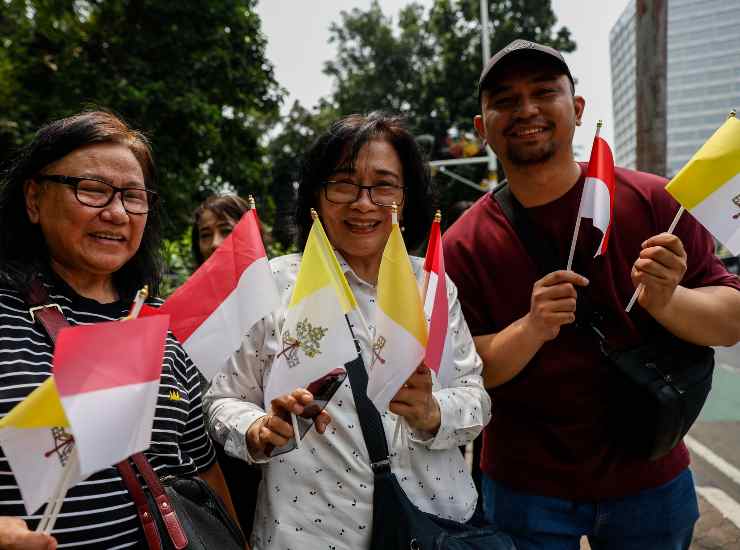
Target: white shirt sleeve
pixel 231 401
pixel 464 403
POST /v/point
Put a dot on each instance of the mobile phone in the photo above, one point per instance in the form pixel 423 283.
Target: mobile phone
pixel 322 389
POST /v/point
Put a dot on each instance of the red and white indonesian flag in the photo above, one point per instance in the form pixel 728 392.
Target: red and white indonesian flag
pixel 315 338
pixel 435 302
pixel 38 443
pixel 107 376
pixel 400 326
pixel 220 302
pixel 597 200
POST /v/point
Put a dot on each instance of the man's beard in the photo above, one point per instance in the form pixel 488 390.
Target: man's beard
pixel 528 156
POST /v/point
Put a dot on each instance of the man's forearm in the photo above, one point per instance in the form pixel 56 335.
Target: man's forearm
pixel 708 316
pixel 506 353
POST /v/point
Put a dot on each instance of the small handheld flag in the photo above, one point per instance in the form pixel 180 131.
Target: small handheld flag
pixel 231 291
pixel 401 328
pixel 708 185
pixel 597 200
pixel 435 296
pixel 40 448
pixel 109 392
pixel 315 337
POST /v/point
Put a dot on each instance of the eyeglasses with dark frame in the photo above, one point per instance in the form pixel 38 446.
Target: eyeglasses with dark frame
pixel 347 192
pixel 99 194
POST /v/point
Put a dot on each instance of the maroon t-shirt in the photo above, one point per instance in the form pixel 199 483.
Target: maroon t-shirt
pixel 548 435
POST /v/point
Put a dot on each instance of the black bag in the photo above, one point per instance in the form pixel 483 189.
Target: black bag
pixel 664 384
pixel 397 522
pixel 197 507
pixel 179 513
pixel 658 388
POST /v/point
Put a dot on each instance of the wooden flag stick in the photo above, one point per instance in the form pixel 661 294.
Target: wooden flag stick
pixel 141 297
pixel 51 512
pixel 640 286
pixel 573 242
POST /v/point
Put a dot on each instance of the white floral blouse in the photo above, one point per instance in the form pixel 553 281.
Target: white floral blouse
pixel 320 495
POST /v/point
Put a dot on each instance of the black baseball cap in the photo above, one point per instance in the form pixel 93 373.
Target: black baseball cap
pixel 519 47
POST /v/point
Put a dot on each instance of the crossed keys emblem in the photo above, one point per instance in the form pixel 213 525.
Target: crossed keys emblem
pixel 64 443
pixel 736 201
pixel 378 346
pixel 307 338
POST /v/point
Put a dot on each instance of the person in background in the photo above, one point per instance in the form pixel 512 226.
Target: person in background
pixel 213 221
pixel 321 494
pixel 553 471
pixel 79 213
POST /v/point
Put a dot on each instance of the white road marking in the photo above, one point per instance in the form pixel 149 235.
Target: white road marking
pixel 729 368
pixel 719 499
pixel 714 459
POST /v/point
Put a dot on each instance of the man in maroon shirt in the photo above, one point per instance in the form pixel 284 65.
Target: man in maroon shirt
pixel 552 473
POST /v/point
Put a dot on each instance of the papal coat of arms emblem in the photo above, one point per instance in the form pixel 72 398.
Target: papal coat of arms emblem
pixel 63 442
pixel 736 202
pixel 307 339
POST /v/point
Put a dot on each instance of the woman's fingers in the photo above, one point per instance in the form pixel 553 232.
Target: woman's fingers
pixel 321 421
pixel 275 431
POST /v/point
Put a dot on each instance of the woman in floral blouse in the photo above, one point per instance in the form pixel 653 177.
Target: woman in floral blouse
pixel 320 495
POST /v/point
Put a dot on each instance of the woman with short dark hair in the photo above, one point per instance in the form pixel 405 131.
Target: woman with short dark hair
pixel 321 495
pixel 79 214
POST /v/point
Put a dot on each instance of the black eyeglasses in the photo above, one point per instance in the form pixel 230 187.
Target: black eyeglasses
pixel 347 192
pixel 99 194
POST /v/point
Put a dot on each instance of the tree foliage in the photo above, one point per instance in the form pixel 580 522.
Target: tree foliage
pixel 426 65
pixel 193 75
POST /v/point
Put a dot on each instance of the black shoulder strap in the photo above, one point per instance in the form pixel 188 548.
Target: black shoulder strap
pixel 544 254
pixel 370 421
pixel 540 248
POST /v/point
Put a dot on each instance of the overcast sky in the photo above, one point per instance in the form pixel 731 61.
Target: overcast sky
pixel 297 44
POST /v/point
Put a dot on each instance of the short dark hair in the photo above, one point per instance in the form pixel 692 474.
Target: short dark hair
pixel 223 207
pixel 339 147
pixel 23 251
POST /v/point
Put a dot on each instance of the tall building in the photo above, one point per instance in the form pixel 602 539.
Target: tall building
pixel 703 76
pixel 624 66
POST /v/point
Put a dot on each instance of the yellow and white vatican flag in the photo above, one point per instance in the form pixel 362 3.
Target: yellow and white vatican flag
pixel 315 337
pixel 400 326
pixel 37 441
pixel 708 185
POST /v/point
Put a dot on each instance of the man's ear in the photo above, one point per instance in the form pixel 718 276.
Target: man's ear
pixel 32 191
pixel 579 104
pixel 479 126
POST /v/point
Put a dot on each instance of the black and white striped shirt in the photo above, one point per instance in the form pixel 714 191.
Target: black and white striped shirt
pixel 98 512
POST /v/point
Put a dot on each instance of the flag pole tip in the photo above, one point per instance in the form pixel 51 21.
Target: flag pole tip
pixel 438 216
pixel 599 123
pixel 145 292
pixel 732 114
pixel 314 214
pixel 252 204
pixel 394 208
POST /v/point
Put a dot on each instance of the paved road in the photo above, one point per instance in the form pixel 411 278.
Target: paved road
pixel 714 442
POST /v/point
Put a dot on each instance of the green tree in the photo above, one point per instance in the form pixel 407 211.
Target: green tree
pixel 193 75
pixel 297 131
pixel 426 65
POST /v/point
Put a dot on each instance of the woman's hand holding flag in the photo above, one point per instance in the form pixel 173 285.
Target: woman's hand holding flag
pixel 416 403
